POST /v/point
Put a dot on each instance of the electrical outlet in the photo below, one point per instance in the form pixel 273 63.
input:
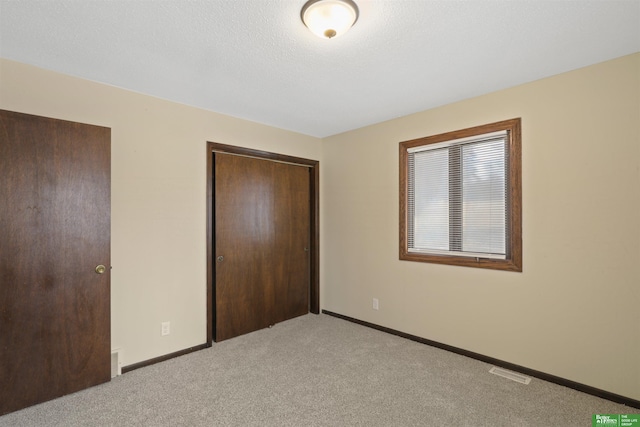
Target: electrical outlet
pixel 376 304
pixel 166 328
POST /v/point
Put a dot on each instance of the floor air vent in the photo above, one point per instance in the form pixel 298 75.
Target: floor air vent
pixel 513 376
pixel 116 363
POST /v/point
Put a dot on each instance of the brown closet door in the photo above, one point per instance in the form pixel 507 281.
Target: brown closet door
pixel 261 238
pixel 54 231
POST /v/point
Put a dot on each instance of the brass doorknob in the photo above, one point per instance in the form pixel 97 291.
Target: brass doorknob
pixel 101 269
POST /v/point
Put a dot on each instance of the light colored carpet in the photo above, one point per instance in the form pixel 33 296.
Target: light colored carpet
pixel 318 371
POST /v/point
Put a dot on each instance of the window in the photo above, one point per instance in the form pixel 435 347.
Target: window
pixel 460 198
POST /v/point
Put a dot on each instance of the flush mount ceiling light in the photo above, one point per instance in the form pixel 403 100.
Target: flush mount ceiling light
pixel 329 18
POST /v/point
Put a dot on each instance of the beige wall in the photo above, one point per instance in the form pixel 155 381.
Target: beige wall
pixel 158 195
pixel 574 310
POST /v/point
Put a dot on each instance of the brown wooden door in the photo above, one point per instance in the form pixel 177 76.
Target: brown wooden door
pixel 262 234
pixel 54 231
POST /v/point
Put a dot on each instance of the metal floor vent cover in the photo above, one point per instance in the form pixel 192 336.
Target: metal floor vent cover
pixel 513 376
pixel 116 363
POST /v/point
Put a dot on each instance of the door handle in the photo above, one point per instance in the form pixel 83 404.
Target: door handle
pixel 220 258
pixel 101 269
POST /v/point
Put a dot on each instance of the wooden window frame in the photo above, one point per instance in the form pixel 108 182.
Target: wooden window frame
pixel 513 261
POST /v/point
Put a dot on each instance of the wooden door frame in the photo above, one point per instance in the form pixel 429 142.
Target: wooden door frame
pixel 314 220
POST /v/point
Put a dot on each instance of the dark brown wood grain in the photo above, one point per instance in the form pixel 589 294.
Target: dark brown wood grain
pixel 290 249
pixel 54 231
pixel 514 243
pixel 164 357
pixel 243 236
pixel 261 231
pixel 259 154
pixel 313 214
pixel 210 250
pixel 314 255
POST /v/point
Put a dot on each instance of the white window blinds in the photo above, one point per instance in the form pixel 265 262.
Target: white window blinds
pixel 458 198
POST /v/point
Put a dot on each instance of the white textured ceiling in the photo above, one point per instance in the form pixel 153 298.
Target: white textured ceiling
pixel 256 60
